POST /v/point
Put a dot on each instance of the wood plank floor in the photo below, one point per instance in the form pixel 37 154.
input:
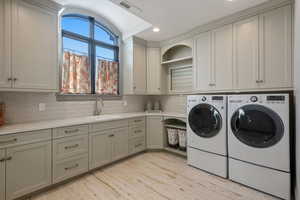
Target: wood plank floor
pixel 151 176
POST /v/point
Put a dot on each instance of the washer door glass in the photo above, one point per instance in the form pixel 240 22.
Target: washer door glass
pixel 205 120
pixel 257 126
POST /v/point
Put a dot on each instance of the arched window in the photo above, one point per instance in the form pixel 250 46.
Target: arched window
pixel 90 57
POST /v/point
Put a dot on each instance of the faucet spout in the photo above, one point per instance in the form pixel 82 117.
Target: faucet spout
pixel 98 109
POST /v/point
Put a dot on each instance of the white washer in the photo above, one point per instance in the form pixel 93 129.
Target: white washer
pixel 259 142
pixel 206 132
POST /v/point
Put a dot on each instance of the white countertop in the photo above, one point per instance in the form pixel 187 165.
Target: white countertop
pixel 34 126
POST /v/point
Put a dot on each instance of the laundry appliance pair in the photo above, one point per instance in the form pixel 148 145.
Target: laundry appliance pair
pixel 245 138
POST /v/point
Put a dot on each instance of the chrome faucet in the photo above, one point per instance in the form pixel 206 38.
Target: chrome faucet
pixel 98 109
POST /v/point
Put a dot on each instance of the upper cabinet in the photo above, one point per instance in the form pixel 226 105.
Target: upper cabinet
pixel 5 23
pixel 33 63
pixel 252 54
pixel 155 72
pixel 213 60
pixel 135 69
pixel 245 56
pixel 276 49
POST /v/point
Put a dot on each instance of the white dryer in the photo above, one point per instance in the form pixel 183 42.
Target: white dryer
pixel 259 142
pixel 206 133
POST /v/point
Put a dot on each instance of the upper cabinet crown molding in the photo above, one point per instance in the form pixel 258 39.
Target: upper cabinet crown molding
pixel 45 4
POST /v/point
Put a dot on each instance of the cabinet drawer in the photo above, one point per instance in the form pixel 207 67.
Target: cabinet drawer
pixel 24 138
pixel 68 147
pixel 70 130
pixel 108 125
pixel 136 145
pixel 70 168
pixel 139 121
pixel 138 131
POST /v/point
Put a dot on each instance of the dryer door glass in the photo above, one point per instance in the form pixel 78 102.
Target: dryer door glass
pixel 257 126
pixel 205 120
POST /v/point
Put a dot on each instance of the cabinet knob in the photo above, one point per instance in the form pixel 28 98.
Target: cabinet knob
pixel 15 79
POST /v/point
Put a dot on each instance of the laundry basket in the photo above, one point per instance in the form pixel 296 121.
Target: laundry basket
pixel 173 139
pixel 182 139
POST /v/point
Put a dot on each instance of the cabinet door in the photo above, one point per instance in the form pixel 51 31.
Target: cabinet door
pixel 28 169
pixel 154 71
pixel 276 48
pixel 155 138
pixel 245 53
pixel 100 149
pixel 5 34
pixel 2 175
pixel 120 143
pixel 202 79
pixel 139 69
pixel 222 67
pixel 34 47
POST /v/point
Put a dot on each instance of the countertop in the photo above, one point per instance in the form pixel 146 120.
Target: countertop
pixel 34 126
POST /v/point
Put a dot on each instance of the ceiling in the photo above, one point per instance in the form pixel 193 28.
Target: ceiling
pixel 173 17
pixel 128 23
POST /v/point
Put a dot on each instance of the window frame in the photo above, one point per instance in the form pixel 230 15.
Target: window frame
pixel 93 43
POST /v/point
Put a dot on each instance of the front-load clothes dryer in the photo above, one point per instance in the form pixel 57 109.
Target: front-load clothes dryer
pixel 206 132
pixel 259 142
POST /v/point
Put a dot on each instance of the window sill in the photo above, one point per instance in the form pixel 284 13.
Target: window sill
pixel 85 97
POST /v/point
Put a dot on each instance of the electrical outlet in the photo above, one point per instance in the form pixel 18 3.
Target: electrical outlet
pixel 42 107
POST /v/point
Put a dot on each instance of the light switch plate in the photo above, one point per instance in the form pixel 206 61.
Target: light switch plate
pixel 42 107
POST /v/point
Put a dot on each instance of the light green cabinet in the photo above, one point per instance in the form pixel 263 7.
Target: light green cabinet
pixel 2 174
pixel 100 149
pixel 155 139
pixel 28 169
pixel 120 143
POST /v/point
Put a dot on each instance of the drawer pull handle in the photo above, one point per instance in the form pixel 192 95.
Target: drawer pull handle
pixel 9 141
pixel 72 146
pixel 138 145
pixel 72 167
pixel 71 131
pixel 138 131
pixel 6 159
pixel 138 120
pixel 111 135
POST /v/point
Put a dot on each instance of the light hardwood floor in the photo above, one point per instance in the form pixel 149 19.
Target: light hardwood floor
pixel 151 176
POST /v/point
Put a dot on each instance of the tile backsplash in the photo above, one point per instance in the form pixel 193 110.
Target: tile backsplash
pixel 24 107
pixel 172 103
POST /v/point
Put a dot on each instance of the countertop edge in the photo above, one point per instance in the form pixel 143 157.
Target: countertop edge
pixel 51 124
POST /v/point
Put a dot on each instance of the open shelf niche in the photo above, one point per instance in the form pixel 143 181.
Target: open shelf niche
pixel 178 59
pixel 177 124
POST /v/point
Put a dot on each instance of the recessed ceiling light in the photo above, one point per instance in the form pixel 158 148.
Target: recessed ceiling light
pixel 230 0
pixel 156 29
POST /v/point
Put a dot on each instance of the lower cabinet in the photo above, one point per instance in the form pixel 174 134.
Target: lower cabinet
pixel 155 139
pixel 28 168
pixel 2 174
pixel 70 157
pixel 100 149
pixel 120 143
pixel 70 167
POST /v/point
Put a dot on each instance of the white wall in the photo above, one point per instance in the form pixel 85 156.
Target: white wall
pixel 297 89
pixel 24 107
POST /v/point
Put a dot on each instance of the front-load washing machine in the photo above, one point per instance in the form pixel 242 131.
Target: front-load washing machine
pixel 259 142
pixel 206 133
